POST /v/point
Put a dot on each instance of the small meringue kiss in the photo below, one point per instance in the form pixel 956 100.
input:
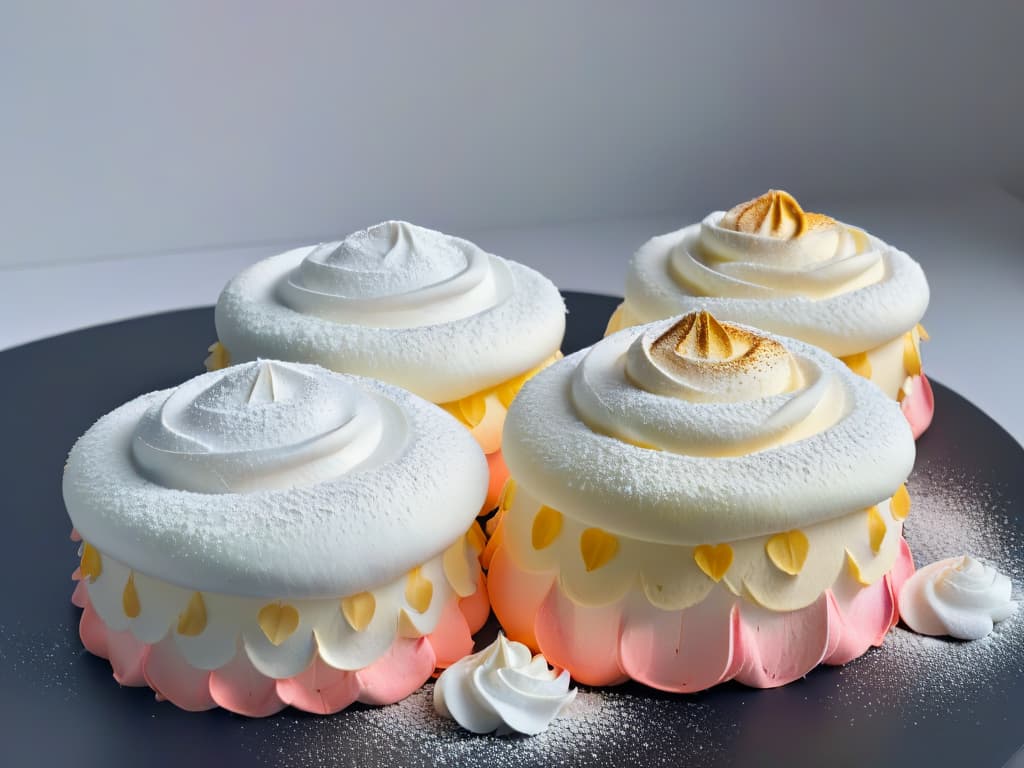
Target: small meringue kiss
pixel 502 689
pixel 960 597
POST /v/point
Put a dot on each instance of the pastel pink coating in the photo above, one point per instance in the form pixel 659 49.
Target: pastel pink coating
pixel 919 405
pixel 320 689
pixel 721 638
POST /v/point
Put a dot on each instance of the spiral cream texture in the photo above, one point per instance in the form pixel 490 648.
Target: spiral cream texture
pixel 503 688
pixel 704 431
pixel 823 282
pixel 430 312
pixel 961 597
pixel 275 478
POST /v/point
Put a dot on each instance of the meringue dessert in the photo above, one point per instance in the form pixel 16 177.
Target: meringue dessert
pixel 432 313
pixel 277 534
pixel 694 501
pixel 503 689
pixel 959 597
pixel 770 264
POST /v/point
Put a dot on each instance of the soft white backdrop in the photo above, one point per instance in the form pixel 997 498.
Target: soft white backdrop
pixel 134 127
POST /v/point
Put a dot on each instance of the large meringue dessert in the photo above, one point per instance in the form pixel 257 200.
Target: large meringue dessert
pixel 693 502
pixel 276 534
pixel 770 264
pixel 426 311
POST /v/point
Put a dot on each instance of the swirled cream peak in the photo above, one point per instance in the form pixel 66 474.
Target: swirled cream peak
pixel 393 275
pixel 256 426
pixel 503 688
pixel 699 359
pixel 961 597
pixel 775 214
pixel 696 386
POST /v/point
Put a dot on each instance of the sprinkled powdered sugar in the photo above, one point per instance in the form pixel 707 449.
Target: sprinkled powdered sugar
pixel 909 678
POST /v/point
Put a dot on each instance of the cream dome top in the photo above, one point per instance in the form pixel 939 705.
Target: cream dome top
pixel 272 479
pixel 772 265
pixel 689 430
pixel 427 311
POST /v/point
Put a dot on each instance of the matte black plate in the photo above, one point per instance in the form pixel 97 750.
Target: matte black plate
pixel 912 702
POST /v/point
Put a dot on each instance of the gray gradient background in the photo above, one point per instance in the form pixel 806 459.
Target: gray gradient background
pixel 147 151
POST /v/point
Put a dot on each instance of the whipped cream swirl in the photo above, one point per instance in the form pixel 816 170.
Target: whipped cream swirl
pixel 703 388
pixel 961 597
pixel 259 426
pixel 395 275
pixel 503 688
pixel 770 264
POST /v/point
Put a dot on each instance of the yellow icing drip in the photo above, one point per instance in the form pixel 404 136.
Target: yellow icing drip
pixel 508 495
pixel 855 570
pixel 876 529
pixel 597 547
pixel 130 598
pixel 922 333
pixel 469 410
pixel 278 621
pixel 713 560
pixel 900 504
pixel 859 364
pixel 911 355
pixel 406 626
pixel 775 213
pixel 788 551
pixel 92 562
pixel 476 539
pixel 218 357
pixel 192 621
pixel 358 610
pixel 546 527
pixel 418 590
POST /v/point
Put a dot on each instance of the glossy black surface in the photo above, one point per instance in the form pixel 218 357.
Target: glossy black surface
pixel 60 706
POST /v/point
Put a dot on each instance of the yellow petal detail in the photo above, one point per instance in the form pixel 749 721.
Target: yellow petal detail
pixel 855 570
pixel 218 357
pixel 713 560
pixel 876 529
pixel 900 503
pixel 911 355
pixel 278 621
pixel 418 590
pixel 358 610
pixel 475 538
pixel 406 627
pixel 469 410
pixel 546 527
pixel 788 551
pixel 92 562
pixel 597 547
pixel 508 496
pixel 130 598
pixel 922 333
pixel 859 364
pixel 192 621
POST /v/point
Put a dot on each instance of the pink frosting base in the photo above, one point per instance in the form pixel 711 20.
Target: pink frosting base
pixel 721 638
pixel 321 689
pixel 919 407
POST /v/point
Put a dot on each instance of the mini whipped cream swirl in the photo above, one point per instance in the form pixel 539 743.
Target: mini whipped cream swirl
pixel 769 248
pixel 960 597
pixel 502 689
pixel 395 275
pixel 258 426
pixel 699 387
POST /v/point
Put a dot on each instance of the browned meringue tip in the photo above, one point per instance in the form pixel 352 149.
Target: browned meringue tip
pixel 776 213
pixel 699 338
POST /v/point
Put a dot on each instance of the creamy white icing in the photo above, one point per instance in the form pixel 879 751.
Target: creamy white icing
pixel 961 597
pixel 833 285
pixel 421 309
pixel 396 275
pixel 275 478
pixel 503 688
pixel 774 435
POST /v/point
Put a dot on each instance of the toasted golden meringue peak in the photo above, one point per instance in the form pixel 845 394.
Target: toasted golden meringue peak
pixel 696 335
pixel 776 213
